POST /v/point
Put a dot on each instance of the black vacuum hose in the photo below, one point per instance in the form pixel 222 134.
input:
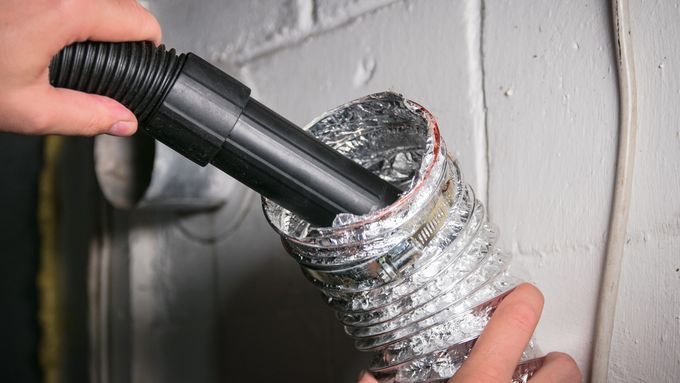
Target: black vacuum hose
pixel 209 117
pixel 136 74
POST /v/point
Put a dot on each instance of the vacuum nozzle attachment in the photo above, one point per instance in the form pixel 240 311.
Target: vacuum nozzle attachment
pixel 208 116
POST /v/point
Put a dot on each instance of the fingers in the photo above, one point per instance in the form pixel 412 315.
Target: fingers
pixel 38 30
pixel 497 351
pixel 68 112
pixel 557 368
pixel 112 20
pixel 123 20
pixel 71 112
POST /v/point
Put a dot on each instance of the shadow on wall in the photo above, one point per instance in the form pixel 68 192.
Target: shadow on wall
pixel 275 327
pixel 207 294
pixel 235 310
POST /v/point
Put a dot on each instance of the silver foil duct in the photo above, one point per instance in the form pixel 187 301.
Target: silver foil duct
pixel 416 282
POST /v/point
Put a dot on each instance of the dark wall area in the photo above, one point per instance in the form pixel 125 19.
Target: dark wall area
pixel 20 164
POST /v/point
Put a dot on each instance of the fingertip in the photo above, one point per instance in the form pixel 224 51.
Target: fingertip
pixel 499 347
pixel 155 32
pixel 522 308
pixel 114 21
pixel 152 28
pixel 565 361
pixel 123 128
pixel 561 357
pixel 558 367
pixel 124 122
pixel 529 293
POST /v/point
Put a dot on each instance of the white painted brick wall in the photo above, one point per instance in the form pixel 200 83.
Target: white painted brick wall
pixel 550 86
pixel 525 93
pixel 647 330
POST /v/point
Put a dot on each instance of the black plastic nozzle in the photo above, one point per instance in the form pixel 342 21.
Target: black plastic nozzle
pixel 209 117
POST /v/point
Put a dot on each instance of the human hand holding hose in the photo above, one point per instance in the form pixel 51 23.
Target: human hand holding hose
pixel 498 350
pixel 31 33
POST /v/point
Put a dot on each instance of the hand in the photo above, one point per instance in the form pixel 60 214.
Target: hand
pixel 31 32
pixel 497 351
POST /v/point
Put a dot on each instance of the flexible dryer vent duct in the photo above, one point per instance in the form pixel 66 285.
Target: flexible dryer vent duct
pixel 370 203
pixel 416 282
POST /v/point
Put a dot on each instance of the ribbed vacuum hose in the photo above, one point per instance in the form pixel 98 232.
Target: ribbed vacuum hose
pixel 136 74
pixel 208 116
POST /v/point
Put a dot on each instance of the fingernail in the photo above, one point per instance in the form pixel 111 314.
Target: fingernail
pixel 122 128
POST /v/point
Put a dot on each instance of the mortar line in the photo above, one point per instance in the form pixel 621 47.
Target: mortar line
pixel 315 12
pixel 487 158
pixel 295 41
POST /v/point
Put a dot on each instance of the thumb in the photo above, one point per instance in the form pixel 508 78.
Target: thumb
pixel 70 112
